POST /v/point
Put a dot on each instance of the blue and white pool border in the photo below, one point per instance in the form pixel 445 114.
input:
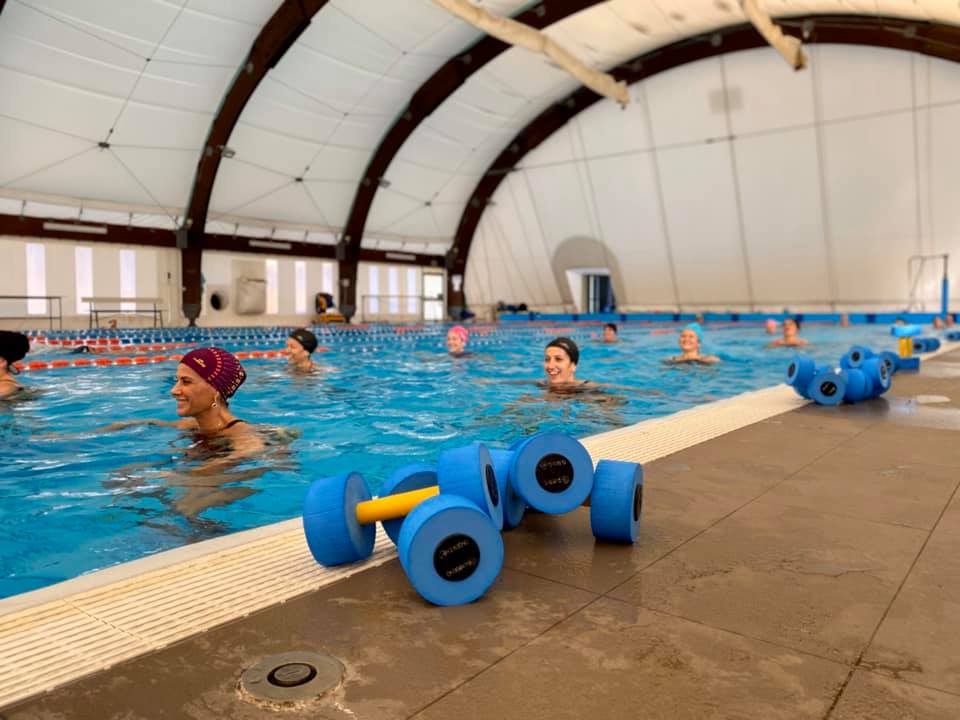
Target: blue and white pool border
pixel 54 635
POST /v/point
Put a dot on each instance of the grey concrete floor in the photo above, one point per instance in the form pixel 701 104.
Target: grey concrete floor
pixel 802 567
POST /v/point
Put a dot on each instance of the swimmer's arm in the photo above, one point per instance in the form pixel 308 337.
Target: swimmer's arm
pixel 8 388
pixel 123 424
pixel 246 443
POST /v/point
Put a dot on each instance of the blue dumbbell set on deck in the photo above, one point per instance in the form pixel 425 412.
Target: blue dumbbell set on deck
pixel 861 375
pixel 446 519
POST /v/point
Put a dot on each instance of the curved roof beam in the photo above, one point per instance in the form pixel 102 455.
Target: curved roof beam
pixel 276 37
pixel 928 38
pixel 431 95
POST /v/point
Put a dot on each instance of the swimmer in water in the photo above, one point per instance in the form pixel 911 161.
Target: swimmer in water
pixel 206 380
pixel 791 336
pixel 689 340
pixel 300 345
pixel 457 337
pixel 610 333
pixel 771 326
pixel 14 347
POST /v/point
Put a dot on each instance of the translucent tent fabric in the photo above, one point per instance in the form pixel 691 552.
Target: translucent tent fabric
pixel 106 104
pixel 733 182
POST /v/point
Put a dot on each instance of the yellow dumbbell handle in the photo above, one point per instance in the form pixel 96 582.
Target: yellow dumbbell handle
pixel 393 506
pixel 906 347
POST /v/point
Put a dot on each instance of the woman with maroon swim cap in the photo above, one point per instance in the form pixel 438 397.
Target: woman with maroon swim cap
pixel 206 380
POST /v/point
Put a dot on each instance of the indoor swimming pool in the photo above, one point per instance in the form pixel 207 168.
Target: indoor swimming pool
pixel 76 499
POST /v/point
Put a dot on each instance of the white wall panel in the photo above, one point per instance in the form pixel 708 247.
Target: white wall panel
pixel 561 203
pixel 870 182
pixel 945 174
pixel 629 215
pixel 607 128
pixel 782 217
pixel 856 81
pixel 698 195
pixel 681 110
pixel 764 93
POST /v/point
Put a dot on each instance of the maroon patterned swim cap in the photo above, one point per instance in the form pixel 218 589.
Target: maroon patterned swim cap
pixel 218 367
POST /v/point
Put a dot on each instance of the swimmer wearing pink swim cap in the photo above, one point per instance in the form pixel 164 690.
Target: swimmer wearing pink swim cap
pixel 457 340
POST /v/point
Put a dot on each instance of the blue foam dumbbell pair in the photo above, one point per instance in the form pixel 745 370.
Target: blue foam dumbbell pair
pixel 869 378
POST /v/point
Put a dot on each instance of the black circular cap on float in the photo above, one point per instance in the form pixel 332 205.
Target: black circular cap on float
pixel 828 388
pixel 456 557
pixel 637 502
pixel 555 473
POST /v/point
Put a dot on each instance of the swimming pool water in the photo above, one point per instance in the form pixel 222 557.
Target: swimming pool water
pixel 74 500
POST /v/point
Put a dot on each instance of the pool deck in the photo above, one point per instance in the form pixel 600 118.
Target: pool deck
pixel 803 566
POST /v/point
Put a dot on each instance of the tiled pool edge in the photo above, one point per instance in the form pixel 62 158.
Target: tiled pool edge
pixel 58 634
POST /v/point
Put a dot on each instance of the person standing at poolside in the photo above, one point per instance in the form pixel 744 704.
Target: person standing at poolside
pixel 14 347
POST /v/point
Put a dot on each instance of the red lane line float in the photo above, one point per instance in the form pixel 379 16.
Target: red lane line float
pixel 60 363
pixel 160 358
pixel 242 355
pixel 37 365
pixel 123 361
pixel 178 358
pixel 103 361
pixel 82 363
pixel 141 360
pixel 256 353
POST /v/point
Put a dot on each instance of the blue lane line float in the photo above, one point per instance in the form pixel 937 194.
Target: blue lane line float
pixel 450 550
pixel 616 502
pixel 828 386
pixel 800 372
pixel 330 520
pixel 553 472
pixel 953 336
pixel 513 505
pixel 468 471
pixel 855 356
pixel 410 477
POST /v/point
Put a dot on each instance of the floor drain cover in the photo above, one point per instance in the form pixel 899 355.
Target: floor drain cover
pixel 292 676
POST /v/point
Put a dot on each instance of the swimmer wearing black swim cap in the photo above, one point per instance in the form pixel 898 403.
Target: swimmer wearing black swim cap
pixel 560 360
pixel 14 347
pixel 300 344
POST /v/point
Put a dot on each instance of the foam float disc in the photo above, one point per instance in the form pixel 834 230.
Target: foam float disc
pixel 800 372
pixel 552 472
pixel 450 550
pixel 616 501
pixel 891 360
pixel 877 374
pixel 468 471
pixel 330 520
pixel 415 476
pixel 855 356
pixel 513 505
pixel 858 387
pixel 828 386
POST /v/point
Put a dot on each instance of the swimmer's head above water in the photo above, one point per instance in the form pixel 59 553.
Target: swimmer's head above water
pixel 610 333
pixel 457 339
pixel 206 379
pixel 300 345
pixel 560 360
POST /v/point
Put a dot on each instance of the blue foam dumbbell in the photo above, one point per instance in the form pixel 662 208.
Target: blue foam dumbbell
pixel 450 550
pixel 800 372
pixel 616 502
pixel 855 356
pixel 828 386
